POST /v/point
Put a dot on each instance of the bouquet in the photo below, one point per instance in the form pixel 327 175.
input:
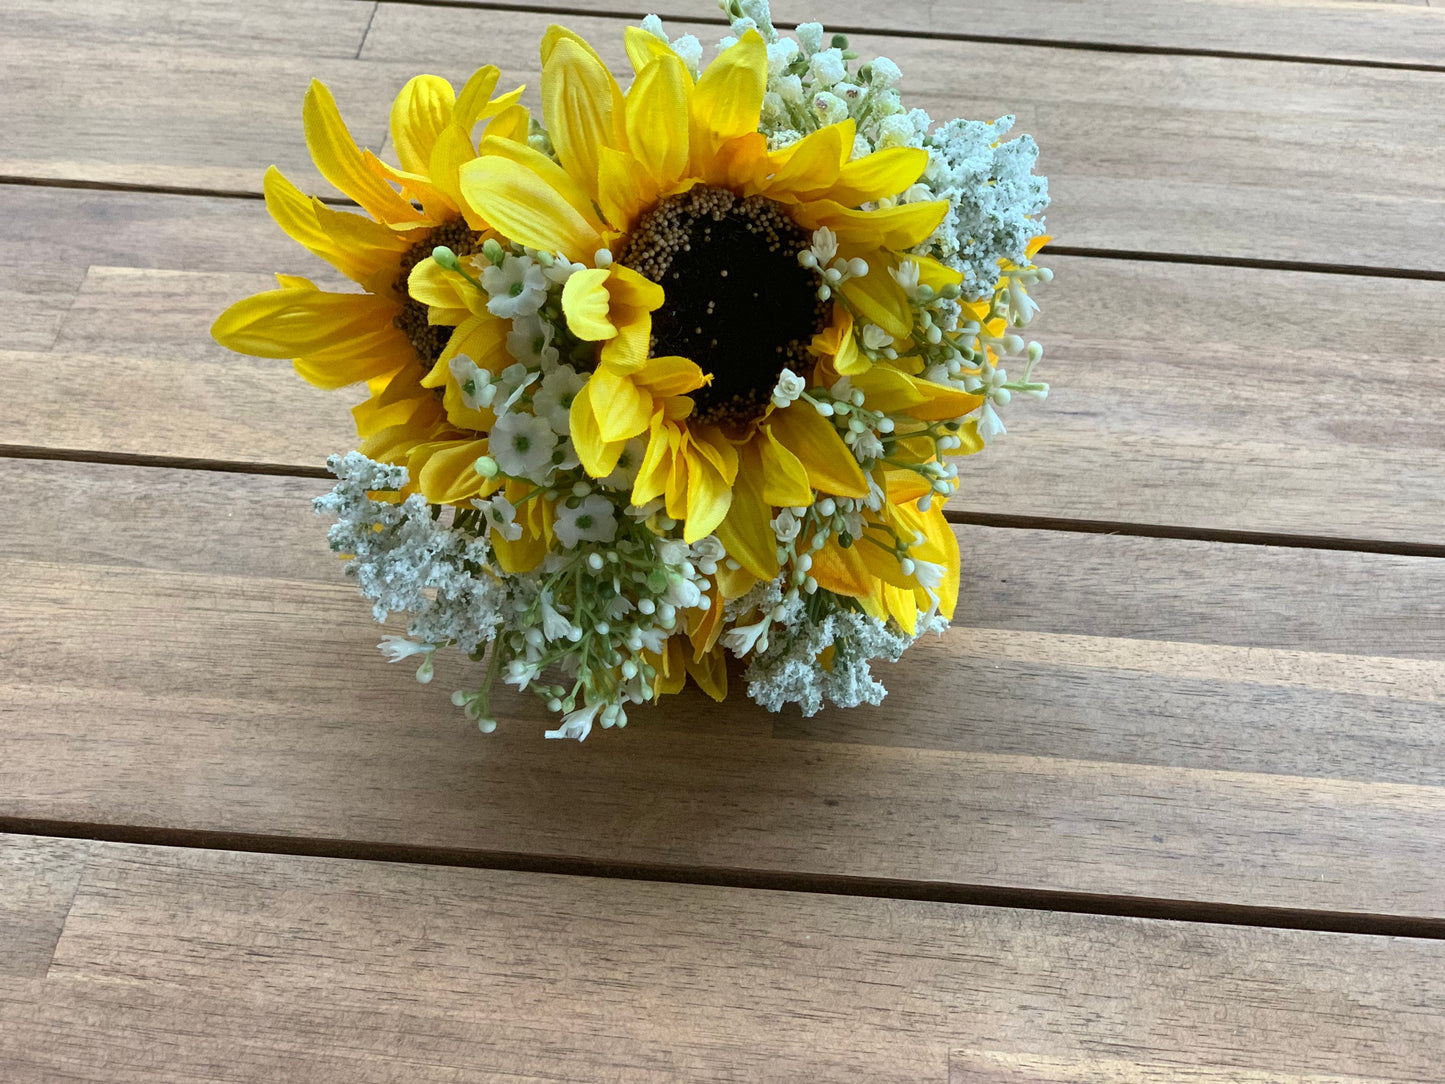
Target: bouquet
pixel 675 374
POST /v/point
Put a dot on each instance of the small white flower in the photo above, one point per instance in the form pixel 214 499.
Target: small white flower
pixel 928 574
pixel 781 54
pixel 824 246
pixel 744 638
pixel 554 625
pixel 475 382
pixel 867 445
pixel 709 553
pixel 883 72
pixel 786 525
pixel 500 517
pixel 875 338
pixel 576 724
pixel 689 49
pixel 522 445
pixel 396 648
pixel 592 520
pixel 619 608
pixel 628 464
pixel 682 593
pixel 830 108
pixel 553 400
pixel 562 269
pixel 788 388
pixel 517 288
pixel 521 673
pixel 827 67
pixel 810 37
pixel 895 131
pixel 790 89
pixel 906 275
pixel 530 341
pixel 990 425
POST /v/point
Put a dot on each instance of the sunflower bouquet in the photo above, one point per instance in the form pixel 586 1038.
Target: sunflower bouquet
pixel 675 374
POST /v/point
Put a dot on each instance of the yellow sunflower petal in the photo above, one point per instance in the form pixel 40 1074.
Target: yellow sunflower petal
pixel 452 150
pixel 296 213
pixel 445 292
pixel 785 479
pixel 880 300
pixel 709 494
pixel 811 437
pixel 710 672
pixel 512 123
pixel 449 475
pixel 657 118
pixel 745 532
pixel 483 338
pixel 599 457
pixel 940 402
pixel 897 228
pixel 299 320
pixel 728 97
pixel 670 375
pixel 341 162
pixel 623 409
pixel 586 303
pixel 643 48
pixel 475 97
pixel 551 174
pixel 842 571
pixel 880 174
pixel 811 165
pixel 420 112
pixel 623 191
pixel 583 108
pixel 524 207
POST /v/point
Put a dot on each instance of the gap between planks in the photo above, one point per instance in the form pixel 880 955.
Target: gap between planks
pixel 953 515
pixel 1194 258
pixel 940 35
pixel 1026 899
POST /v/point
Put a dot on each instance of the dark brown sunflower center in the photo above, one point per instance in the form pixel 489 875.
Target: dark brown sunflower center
pixel 429 340
pixel 737 303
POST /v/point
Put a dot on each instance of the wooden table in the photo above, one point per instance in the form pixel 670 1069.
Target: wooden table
pixel 1168 804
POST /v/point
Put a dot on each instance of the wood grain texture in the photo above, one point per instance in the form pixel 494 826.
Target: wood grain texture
pixel 1136 717
pixel 1190 155
pixel 333 28
pixel 186 965
pixel 1408 32
pixel 38 877
pixel 1162 411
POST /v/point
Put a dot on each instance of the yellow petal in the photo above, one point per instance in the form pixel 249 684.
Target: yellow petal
pixel 897 228
pixel 452 150
pixel 728 97
pixel 623 409
pixel 880 174
pixel 599 458
pixel 811 437
pixel 880 300
pixel 297 320
pixel 438 288
pixel 643 48
pixel 745 532
pixel 420 112
pixel 449 475
pixel 341 162
pixel 512 123
pixel 785 479
pixel 656 466
pixel 670 375
pixel 474 98
pixel 483 338
pixel 583 108
pixel 657 118
pixel 550 173
pixel 586 303
pixel 940 402
pixel 358 257
pixel 711 674
pixel 842 571
pixel 522 206
pixel 811 164
pixel 709 495
pixel 623 191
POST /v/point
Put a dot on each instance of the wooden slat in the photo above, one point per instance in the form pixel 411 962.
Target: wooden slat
pixel 334 28
pixel 1134 716
pixel 1166 409
pixel 38 877
pixel 1397 31
pixel 183 965
pixel 1158 153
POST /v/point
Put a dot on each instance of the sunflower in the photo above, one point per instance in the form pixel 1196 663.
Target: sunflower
pixel 381 336
pixel 722 279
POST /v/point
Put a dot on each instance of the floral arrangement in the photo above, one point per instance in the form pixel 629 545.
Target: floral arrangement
pixel 674 375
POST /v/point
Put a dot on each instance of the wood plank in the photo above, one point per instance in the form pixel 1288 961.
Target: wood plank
pixel 181 965
pixel 38 877
pixel 1162 410
pixel 1192 155
pixel 1152 718
pixel 333 28
pixel 1408 32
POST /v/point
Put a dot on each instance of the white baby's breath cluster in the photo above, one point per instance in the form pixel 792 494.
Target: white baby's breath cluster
pixel 588 628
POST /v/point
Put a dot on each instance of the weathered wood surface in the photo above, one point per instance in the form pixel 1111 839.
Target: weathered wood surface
pixel 1326 164
pixel 1134 716
pixel 1392 32
pixel 1294 420
pixel 177 965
